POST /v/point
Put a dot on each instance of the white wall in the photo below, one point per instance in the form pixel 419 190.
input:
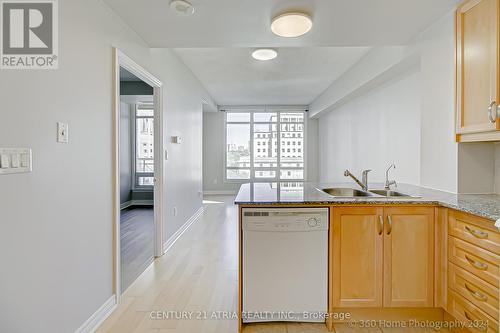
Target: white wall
pixel 373 131
pixel 439 150
pixel 476 167
pixel 213 153
pixel 479 167
pixel 419 110
pixel 126 152
pixel 312 152
pixel 360 78
pixel 56 237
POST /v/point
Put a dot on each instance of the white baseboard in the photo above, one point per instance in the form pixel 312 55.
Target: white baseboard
pixel 168 244
pixel 219 192
pixel 136 203
pixel 91 324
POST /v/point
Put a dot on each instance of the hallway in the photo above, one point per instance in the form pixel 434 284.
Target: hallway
pixel 199 274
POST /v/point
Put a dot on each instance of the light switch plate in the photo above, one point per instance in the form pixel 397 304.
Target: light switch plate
pixel 26 160
pixel 4 161
pixel 62 132
pixel 15 160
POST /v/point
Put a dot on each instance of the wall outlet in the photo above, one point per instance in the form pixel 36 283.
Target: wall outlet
pixel 175 211
pixel 62 132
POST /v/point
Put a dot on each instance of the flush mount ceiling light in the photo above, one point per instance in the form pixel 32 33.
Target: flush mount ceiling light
pixel 264 54
pixel 291 24
pixel 182 7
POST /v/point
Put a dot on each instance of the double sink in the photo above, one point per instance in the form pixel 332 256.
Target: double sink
pixel 354 193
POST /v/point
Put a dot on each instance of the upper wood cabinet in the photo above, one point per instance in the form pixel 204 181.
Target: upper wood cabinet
pixel 382 257
pixel 477 58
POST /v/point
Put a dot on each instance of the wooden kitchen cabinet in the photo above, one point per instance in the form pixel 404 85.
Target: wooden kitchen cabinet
pixel 409 257
pixel 473 269
pixel 477 59
pixel 382 257
pixel 357 256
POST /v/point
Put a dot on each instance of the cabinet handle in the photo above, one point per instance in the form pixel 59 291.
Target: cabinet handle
pixel 479 328
pixel 479 265
pixel 477 233
pixel 493 112
pixel 476 294
pixel 380 226
pixel 389 224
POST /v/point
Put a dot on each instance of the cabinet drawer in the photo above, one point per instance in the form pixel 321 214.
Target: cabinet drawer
pixel 475 230
pixel 476 260
pixel 480 293
pixel 475 319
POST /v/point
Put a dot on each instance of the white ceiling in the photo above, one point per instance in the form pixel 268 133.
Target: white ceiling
pixel 296 76
pixel 246 23
pixel 216 42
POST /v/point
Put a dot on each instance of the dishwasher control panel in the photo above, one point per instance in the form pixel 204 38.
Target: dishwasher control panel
pixel 285 219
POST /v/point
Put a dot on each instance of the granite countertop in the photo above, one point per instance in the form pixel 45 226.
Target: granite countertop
pixel 484 205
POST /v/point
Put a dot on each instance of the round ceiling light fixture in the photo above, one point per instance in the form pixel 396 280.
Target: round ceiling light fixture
pixel 182 7
pixel 264 54
pixel 291 24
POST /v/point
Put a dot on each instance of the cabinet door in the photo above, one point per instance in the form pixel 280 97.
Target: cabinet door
pixel 477 65
pixel 356 260
pixel 409 257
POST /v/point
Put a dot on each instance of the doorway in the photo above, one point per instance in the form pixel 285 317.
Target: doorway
pixel 138 175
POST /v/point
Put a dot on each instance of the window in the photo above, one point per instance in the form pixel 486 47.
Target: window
pixel 253 150
pixel 144 137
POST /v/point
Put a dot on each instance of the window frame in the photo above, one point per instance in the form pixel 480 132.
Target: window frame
pixel 136 175
pixel 251 123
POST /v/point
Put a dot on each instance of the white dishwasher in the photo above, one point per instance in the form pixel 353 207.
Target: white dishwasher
pixel 285 264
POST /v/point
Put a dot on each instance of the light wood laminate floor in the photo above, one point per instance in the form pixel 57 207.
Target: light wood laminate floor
pixel 198 276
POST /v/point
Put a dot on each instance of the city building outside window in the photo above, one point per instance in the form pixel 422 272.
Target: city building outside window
pixel 245 131
pixel 144 137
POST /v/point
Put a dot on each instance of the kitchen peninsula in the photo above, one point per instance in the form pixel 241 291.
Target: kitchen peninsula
pixel 415 254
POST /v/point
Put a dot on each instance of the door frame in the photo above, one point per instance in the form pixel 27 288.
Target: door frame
pixel 122 60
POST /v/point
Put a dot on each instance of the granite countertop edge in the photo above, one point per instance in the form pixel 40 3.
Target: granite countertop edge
pixel 485 206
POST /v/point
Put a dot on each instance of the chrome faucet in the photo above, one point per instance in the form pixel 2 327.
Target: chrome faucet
pixel 388 182
pixel 364 180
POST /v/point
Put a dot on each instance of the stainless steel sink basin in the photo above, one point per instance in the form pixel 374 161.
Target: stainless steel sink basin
pixel 346 192
pixel 390 193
